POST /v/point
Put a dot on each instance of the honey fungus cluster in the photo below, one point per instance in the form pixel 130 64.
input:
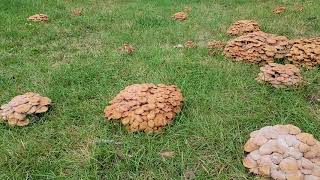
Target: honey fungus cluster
pixel 145 107
pixel 305 52
pixel 16 111
pixel 39 18
pixel 243 27
pixel 257 47
pixel 180 16
pixel 283 152
pixel 279 75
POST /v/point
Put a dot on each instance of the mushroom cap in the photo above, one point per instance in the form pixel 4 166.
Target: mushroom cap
pixel 145 107
pixel 16 111
pixel 283 152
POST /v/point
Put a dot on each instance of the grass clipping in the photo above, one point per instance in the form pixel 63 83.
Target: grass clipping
pixel 16 111
pixel 257 47
pixel 279 75
pixel 145 107
pixel 283 152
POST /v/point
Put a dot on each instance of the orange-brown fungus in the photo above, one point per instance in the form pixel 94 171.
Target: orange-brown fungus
pixel 243 27
pixel 145 107
pixel 17 110
pixel 257 47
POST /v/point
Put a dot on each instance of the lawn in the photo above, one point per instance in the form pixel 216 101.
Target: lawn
pixel 74 61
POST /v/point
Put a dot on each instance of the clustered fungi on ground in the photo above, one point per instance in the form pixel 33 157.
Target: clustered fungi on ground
pixel 283 152
pixel 126 49
pixel 180 16
pixel 243 27
pixel 145 107
pixel 279 10
pixel 305 52
pixel 215 47
pixel 279 75
pixel 257 47
pixel 39 18
pixel 190 44
pixel 17 110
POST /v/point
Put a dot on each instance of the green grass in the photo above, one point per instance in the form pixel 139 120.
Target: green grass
pixel 74 61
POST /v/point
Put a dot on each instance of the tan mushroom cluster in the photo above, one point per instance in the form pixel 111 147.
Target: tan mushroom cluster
pixel 243 27
pixel 257 47
pixel 279 75
pixel 283 152
pixel 305 52
pixel 180 16
pixel 190 44
pixel 215 47
pixel 39 18
pixel 279 10
pixel 145 107
pixel 126 49
pixel 16 111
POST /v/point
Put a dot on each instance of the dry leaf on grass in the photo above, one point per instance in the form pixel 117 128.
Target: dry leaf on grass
pixel 167 154
pixel 77 11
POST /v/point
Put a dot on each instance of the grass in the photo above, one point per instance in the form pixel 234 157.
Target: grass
pixel 74 61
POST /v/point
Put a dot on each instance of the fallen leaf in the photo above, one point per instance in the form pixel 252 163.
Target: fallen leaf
pixel 167 154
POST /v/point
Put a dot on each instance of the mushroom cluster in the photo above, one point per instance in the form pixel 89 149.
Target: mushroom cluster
pixel 243 27
pixel 126 49
pixel 283 152
pixel 180 16
pixel 257 47
pixel 39 18
pixel 145 107
pixel 279 75
pixel 215 47
pixel 279 10
pixel 305 52
pixel 190 44
pixel 16 111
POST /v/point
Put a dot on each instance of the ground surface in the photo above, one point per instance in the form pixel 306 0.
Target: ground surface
pixel 74 61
